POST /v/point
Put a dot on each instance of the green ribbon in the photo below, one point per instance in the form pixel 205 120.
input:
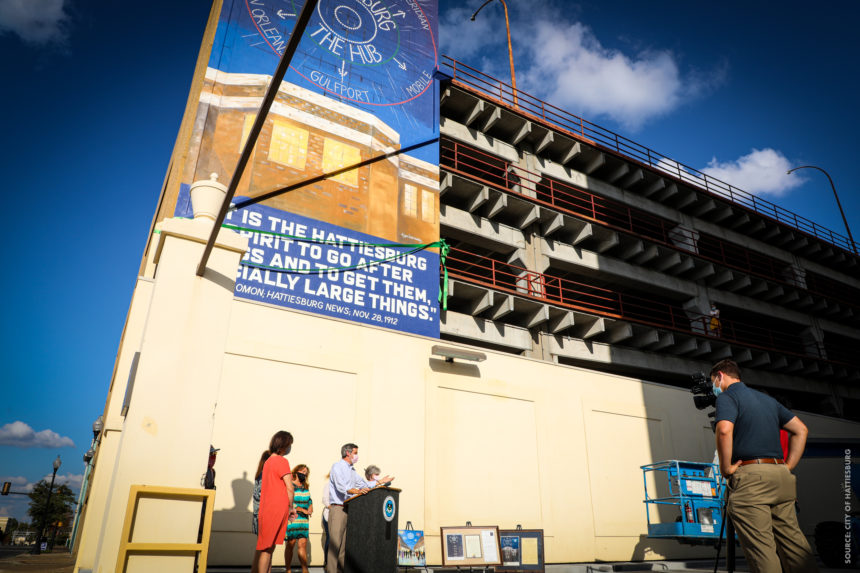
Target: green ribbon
pixel 444 247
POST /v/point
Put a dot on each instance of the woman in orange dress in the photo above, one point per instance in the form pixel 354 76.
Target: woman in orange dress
pixel 276 500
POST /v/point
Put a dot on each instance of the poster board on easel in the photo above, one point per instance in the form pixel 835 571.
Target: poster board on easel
pixel 470 546
pixel 521 550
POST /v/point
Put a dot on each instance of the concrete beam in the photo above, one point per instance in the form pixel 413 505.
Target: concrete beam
pixel 586 330
pixel 740 282
pixel 653 187
pixel 561 322
pixel 617 173
pixel 650 253
pixel 607 243
pixel 473 114
pixel 619 332
pixel 634 177
pixel 544 142
pixel 702 271
pixel 489 233
pixel 687 263
pixel 702 347
pixel 759 360
pixel 743 356
pixel 503 304
pixel 480 304
pixel 666 192
pixel 594 164
pixel 644 339
pixel 687 199
pixel 485 331
pixel 667 339
pixel 630 250
pixel 491 121
pixel 669 260
pixel 583 233
pixel 704 207
pixel 687 346
pixel 532 215
pixel 444 182
pixel 481 197
pixel 555 223
pixel 539 316
pixel 522 132
pixel 518 259
pixel 571 153
pixel 497 204
pixel 722 278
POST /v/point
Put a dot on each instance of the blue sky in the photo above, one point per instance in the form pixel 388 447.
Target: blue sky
pixel 94 92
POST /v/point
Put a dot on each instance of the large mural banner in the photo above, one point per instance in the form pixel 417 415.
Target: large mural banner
pixel 359 245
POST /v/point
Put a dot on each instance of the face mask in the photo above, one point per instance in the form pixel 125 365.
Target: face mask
pixel 288 450
pixel 301 477
pixel 375 477
pixel 355 459
pixel 717 389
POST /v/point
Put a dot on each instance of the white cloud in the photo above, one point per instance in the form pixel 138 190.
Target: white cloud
pixel 35 21
pixel 760 172
pixel 20 435
pixel 576 72
pixel 462 38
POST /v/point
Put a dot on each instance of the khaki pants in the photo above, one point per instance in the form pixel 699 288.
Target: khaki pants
pixel 337 539
pixel 761 506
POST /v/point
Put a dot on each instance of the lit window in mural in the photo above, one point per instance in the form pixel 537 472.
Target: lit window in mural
pixel 289 145
pixel 337 155
pixel 410 200
pixel 428 206
pixel 246 129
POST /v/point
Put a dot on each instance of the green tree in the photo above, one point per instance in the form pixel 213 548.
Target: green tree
pixel 61 505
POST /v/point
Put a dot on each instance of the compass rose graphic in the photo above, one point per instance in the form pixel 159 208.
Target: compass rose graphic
pixel 372 52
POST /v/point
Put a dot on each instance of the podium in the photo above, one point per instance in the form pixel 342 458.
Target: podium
pixel 371 531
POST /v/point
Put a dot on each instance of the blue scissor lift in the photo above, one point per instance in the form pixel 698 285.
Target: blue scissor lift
pixel 697 491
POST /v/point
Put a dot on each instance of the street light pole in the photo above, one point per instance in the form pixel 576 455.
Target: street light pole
pixel 838 202
pixel 510 48
pixel 38 549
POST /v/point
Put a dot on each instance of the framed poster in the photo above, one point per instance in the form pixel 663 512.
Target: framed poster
pixel 470 546
pixel 521 550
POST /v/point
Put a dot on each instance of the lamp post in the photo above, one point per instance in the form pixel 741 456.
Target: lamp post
pixel 38 549
pixel 510 49
pixel 838 202
pixel 98 426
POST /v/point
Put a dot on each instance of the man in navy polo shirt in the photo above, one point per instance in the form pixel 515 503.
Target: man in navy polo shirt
pixel 762 489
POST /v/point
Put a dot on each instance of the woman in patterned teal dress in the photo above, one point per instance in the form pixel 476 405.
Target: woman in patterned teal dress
pixel 297 530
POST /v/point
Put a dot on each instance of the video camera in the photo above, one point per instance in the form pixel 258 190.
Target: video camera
pixel 703 391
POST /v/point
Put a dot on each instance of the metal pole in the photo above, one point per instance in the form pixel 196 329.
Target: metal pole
pixel 838 202
pixel 510 48
pixel 268 99
pixel 38 548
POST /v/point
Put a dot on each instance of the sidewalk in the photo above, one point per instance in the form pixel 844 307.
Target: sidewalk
pixel 58 562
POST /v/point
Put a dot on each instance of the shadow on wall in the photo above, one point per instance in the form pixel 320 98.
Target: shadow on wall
pixel 236 540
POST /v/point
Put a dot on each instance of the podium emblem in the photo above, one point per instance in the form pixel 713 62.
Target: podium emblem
pixel 389 508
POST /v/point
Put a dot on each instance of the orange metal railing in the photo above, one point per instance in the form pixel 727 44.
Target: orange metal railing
pixel 525 104
pixel 478 165
pixel 498 275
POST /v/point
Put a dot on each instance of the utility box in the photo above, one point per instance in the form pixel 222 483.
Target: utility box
pixel 693 493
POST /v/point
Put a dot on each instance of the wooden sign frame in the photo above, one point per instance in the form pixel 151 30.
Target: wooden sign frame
pixel 532 551
pixel 470 546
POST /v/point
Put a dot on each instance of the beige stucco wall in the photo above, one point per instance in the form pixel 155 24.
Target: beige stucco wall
pixel 507 441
